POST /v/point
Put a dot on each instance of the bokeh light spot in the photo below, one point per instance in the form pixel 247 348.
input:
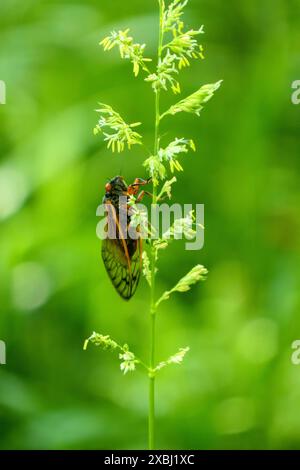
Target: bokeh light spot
pixel 31 286
pixel 235 415
pixel 13 191
pixel 258 340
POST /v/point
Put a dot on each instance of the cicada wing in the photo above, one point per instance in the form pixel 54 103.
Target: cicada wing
pixel 121 256
pixel 135 250
pixel 123 272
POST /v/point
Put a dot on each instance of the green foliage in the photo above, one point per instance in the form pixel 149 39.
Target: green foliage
pixel 155 169
pixel 170 154
pixel 155 164
pixel 128 49
pixel 128 359
pixel 146 267
pixel 198 273
pixel 105 342
pixel 172 18
pixel 185 46
pixel 164 75
pixel 182 226
pixel 175 359
pixel 176 53
pixel 122 133
pixel 193 104
pixel 166 189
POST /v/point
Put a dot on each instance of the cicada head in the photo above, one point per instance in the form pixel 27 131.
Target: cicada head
pixel 115 188
pixel 116 185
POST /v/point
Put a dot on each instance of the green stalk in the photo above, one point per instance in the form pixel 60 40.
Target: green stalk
pixel 151 423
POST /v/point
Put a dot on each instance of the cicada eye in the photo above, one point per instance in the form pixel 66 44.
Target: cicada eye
pixel 108 187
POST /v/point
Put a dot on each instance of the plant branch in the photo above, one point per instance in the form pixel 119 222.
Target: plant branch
pixel 151 423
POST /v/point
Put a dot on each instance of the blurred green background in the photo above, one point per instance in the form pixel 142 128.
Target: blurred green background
pixel 237 388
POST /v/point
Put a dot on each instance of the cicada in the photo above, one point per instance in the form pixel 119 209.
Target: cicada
pixel 122 255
